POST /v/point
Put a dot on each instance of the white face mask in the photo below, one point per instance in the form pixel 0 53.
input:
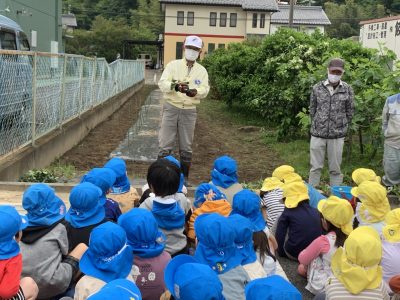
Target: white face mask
pixel 334 78
pixel 191 55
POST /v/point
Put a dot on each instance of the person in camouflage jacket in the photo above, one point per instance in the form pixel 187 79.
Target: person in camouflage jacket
pixel 331 111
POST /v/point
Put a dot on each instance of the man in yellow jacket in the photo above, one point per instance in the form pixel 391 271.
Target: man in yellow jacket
pixel 184 82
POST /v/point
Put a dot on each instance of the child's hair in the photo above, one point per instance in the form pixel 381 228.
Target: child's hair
pixel 340 235
pixel 163 177
pixel 260 241
pixel 263 193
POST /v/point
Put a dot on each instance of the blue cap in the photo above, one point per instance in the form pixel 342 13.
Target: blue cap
pixel 247 204
pixel 108 256
pixel 203 190
pixel 104 178
pixel 216 246
pixel 168 214
pixel 271 288
pixel 121 184
pixel 178 164
pixel 186 279
pixel 10 223
pixel 85 207
pixel 142 232
pixel 121 289
pixel 244 238
pixel 224 172
pixel 43 206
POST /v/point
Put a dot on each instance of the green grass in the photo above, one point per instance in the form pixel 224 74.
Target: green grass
pixel 294 152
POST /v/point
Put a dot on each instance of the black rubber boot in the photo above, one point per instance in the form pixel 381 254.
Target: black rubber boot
pixel 185 167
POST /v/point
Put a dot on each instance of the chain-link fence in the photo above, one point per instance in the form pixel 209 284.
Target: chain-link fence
pixel 41 91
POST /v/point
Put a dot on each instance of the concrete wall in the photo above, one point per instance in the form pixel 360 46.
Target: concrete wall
pixel 59 141
pixel 42 16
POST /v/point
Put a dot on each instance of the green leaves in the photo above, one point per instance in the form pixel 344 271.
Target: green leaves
pixel 274 79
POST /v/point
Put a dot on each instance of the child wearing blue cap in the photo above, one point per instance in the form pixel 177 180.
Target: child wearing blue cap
pixel 244 244
pixel 169 207
pixel 148 244
pixel 224 176
pixel 86 212
pixel 104 178
pixel 272 288
pixel 11 286
pixel 187 279
pixel 44 243
pixel 107 258
pixel 121 289
pixel 122 191
pixel 207 199
pixel 247 204
pixel 216 248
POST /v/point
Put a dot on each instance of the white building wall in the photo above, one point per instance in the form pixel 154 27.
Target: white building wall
pixel 381 34
pixel 306 28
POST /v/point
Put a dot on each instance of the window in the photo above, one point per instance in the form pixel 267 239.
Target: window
pixel 262 20
pixel 222 19
pixel 255 20
pixel 232 20
pixel 213 19
pixel 211 48
pixel 377 26
pixel 179 50
pixel 7 40
pixel 221 46
pixel 180 18
pixel 23 42
pixel 190 18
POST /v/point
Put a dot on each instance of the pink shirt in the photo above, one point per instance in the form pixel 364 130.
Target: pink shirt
pixel 319 246
pixel 150 279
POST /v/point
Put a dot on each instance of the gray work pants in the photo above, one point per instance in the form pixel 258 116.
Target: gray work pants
pixel 391 166
pixel 318 148
pixel 177 122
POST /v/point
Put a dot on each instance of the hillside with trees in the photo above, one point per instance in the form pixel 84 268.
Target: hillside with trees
pixel 103 25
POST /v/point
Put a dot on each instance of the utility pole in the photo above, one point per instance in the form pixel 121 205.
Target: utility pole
pixel 291 13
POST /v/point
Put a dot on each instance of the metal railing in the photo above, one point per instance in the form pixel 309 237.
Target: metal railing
pixel 41 91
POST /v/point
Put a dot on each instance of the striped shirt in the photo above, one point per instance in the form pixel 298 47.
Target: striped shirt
pixel 335 290
pixel 19 296
pixel 272 201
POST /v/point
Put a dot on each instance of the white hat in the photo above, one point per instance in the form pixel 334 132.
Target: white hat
pixel 194 41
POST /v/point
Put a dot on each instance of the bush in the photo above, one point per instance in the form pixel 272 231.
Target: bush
pixel 275 78
pixel 42 175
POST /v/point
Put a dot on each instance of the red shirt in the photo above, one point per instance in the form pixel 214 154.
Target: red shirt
pixel 10 273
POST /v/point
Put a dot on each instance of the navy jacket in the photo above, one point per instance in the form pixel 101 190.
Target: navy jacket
pixel 302 224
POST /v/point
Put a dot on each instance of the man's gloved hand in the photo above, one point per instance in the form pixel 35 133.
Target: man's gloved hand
pixel 191 92
pixel 181 87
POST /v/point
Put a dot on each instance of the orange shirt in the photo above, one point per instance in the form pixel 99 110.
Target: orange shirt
pixel 217 206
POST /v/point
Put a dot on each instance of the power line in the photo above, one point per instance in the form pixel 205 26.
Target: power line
pixel 43 12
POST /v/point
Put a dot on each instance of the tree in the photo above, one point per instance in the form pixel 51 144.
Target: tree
pixel 346 17
pixel 148 15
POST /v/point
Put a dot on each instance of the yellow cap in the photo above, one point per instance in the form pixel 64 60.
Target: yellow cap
pixel 356 265
pixel 271 183
pixel 391 231
pixel 374 203
pixel 292 177
pixel 337 211
pixel 360 175
pixel 282 171
pixel 295 192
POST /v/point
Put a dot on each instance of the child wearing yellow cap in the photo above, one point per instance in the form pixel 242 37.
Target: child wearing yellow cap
pixel 362 174
pixel 391 245
pixel 356 270
pixel 271 195
pixel 373 205
pixel 315 261
pixel 299 223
